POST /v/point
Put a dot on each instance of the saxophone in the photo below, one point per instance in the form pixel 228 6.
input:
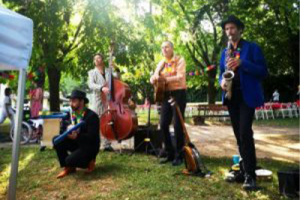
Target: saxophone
pixel 228 75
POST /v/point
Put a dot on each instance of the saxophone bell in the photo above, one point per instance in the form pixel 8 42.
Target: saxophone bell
pixel 228 76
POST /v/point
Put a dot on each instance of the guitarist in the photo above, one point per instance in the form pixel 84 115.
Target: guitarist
pixel 172 70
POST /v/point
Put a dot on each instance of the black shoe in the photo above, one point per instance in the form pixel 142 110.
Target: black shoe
pixel 162 154
pixel 235 177
pixel 108 148
pixel 165 160
pixel 250 183
pixel 177 161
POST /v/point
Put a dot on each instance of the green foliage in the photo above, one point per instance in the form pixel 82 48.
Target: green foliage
pixel 69 32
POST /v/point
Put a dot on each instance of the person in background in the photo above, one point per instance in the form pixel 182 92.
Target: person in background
pixel 6 109
pixel 275 96
pixel 36 99
pixel 146 103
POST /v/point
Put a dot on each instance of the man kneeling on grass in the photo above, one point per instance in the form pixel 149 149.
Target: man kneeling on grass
pixel 79 148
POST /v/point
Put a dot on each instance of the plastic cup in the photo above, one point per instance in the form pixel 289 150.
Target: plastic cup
pixel 236 159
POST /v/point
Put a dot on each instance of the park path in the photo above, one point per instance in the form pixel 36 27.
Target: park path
pixel 278 143
pixel 271 142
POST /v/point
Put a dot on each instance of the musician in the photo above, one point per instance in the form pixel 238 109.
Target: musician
pixel 249 67
pixel 84 143
pixel 172 69
pixel 97 83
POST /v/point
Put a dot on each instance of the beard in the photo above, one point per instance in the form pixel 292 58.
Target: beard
pixel 75 108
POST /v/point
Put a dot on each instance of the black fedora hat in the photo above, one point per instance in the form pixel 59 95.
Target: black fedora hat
pixel 77 94
pixel 233 19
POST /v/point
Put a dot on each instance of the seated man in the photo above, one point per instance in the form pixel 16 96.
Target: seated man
pixel 83 143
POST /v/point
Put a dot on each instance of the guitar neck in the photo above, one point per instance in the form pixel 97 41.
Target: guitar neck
pixel 186 135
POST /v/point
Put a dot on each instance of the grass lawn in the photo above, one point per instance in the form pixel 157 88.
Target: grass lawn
pixel 4 131
pixel 127 177
pixel 286 122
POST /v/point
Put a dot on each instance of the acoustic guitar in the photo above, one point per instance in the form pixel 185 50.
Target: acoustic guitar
pixel 192 158
pixel 159 89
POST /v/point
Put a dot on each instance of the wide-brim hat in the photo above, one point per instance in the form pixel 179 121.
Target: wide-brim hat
pixel 77 94
pixel 233 19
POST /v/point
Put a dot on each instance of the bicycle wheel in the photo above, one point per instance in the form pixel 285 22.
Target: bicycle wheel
pixel 26 132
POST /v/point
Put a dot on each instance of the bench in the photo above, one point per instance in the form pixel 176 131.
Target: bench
pixel 210 111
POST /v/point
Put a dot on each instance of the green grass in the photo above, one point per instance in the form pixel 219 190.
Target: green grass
pixel 143 117
pixel 120 176
pixel 286 122
pixel 4 131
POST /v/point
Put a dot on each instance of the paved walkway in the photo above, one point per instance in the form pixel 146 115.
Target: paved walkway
pixel 218 141
pixel 271 142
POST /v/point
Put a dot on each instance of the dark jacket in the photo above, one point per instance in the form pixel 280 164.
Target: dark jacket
pixel 89 135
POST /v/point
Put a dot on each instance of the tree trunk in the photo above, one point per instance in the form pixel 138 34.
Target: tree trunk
pixel 211 93
pixel 54 79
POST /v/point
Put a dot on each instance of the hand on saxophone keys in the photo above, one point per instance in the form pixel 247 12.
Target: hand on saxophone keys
pixel 233 63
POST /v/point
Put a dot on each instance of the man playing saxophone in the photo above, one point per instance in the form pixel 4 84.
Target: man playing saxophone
pixel 247 62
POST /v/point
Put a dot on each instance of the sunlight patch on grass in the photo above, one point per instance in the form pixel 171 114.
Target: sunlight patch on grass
pixel 4 175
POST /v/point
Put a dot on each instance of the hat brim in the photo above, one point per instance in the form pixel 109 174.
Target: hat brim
pixel 238 23
pixel 86 100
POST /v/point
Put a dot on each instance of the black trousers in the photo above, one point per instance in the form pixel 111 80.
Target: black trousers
pixel 241 117
pixel 70 154
pixel 167 114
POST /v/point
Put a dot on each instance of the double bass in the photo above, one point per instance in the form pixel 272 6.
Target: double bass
pixel 119 121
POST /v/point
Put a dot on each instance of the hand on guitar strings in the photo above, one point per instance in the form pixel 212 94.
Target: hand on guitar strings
pixel 157 78
pixel 154 78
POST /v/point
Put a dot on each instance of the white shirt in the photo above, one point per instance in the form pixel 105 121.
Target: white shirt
pixel 275 96
pixel 7 102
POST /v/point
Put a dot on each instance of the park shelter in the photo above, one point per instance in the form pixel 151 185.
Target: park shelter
pixel 16 37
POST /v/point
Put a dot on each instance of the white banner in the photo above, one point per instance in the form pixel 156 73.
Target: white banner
pixel 16 37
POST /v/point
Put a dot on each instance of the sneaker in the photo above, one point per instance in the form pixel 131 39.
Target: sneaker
pixel 177 161
pixel 162 154
pixel 165 160
pixel 250 183
pixel 108 148
pixel 235 177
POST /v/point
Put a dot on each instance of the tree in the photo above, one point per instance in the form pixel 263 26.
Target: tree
pixel 55 38
pixel 203 44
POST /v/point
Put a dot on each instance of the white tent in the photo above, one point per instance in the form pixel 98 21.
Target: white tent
pixel 16 36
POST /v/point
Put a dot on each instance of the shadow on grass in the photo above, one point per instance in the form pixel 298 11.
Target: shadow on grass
pixel 100 172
